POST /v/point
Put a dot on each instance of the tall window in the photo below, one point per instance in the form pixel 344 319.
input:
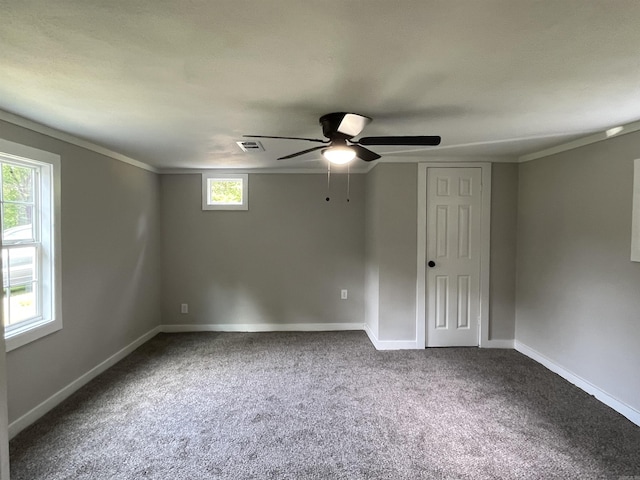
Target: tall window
pixel 30 277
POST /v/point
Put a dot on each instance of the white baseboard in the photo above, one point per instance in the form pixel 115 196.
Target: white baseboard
pixel 293 327
pixel 497 344
pixel 35 413
pixel 622 408
pixel 262 327
pixel 390 344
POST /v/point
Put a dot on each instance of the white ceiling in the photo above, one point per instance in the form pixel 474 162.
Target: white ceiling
pixel 176 83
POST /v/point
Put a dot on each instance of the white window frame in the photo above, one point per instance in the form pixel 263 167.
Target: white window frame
pixel 50 318
pixel 207 204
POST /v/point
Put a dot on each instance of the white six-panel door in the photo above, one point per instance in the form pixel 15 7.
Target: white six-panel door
pixel 454 207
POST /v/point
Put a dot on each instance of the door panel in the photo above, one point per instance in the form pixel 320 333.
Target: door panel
pixel 464 302
pixel 442 231
pixel 442 304
pixel 453 242
pixel 464 231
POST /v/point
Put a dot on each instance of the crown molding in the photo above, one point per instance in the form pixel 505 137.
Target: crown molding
pixel 308 171
pixel 580 142
pixel 362 169
pixel 66 137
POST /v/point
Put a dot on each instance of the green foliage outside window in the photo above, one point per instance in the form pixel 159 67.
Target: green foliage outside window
pixel 17 186
pixel 226 192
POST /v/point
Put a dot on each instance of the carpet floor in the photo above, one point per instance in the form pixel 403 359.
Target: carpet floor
pixel 324 405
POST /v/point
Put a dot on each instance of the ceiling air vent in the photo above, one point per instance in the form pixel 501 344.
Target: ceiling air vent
pixel 251 146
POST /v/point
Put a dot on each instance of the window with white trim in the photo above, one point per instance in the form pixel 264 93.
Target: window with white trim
pixel 225 191
pixel 30 243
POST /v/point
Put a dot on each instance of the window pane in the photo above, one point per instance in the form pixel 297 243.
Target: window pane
pixel 225 191
pixel 22 266
pixel 18 222
pixel 17 183
pixel 22 304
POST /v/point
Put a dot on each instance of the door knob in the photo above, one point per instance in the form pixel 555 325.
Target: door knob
pixel 431 263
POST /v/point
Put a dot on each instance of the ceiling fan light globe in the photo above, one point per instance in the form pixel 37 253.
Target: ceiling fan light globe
pixel 339 155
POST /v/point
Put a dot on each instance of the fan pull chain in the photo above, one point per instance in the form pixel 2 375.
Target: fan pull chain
pixel 348 182
pixel 328 180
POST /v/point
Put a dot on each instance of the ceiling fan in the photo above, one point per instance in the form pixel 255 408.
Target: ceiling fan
pixel 340 148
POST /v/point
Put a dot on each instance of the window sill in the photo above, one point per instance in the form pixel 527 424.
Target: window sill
pixel 31 333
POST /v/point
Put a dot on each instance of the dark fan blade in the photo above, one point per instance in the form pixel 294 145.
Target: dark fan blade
pixel 365 154
pixel 425 141
pixel 288 138
pixel 297 154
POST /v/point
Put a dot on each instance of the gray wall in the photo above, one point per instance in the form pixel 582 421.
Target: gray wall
pixel 578 299
pixel 391 249
pixel 372 251
pixel 284 260
pixel 504 210
pixel 110 270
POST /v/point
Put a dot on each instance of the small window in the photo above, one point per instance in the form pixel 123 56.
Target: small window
pixel 29 211
pixel 222 191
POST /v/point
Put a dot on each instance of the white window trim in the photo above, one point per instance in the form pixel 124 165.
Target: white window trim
pixel 635 215
pixel 225 176
pixel 50 189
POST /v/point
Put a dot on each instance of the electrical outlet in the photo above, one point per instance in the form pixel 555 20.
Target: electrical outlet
pixel 184 308
pixel 344 294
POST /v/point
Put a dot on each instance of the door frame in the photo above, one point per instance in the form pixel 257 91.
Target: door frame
pixel 485 249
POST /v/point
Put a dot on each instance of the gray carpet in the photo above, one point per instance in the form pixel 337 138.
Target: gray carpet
pixel 323 406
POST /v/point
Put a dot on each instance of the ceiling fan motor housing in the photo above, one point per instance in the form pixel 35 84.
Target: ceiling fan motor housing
pixel 342 125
